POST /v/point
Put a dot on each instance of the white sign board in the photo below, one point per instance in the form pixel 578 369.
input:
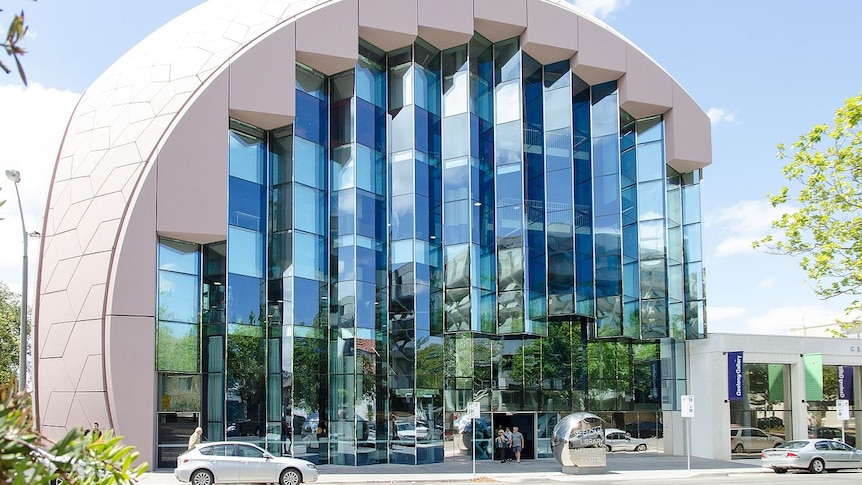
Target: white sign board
pixel 687 406
pixel 473 410
pixel 843 408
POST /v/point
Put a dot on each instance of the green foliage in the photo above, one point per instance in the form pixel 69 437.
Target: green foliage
pixel 826 230
pixel 10 317
pixel 26 457
pixel 14 36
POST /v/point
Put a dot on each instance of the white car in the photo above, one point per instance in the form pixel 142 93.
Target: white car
pixel 407 431
pixel 752 439
pixel 237 462
pixel 619 440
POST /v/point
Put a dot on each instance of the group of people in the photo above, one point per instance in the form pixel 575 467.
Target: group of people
pixel 508 444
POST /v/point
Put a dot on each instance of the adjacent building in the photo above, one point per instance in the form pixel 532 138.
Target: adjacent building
pixel 327 226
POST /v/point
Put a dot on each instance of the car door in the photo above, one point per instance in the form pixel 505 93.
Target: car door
pixel 223 463
pixel 759 440
pixel 615 441
pixel 255 467
pixel 842 454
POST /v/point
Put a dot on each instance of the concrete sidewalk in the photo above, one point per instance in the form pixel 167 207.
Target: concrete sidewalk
pixel 634 466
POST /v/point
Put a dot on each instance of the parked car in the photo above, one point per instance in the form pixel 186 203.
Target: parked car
pixel 832 434
pixel 752 439
pixel 236 462
pixel 407 431
pixel 816 455
pixel 619 440
pixel 645 429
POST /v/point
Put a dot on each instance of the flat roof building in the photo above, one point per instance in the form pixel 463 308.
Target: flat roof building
pixel 327 226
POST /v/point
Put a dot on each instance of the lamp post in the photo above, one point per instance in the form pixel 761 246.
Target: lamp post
pixel 15 177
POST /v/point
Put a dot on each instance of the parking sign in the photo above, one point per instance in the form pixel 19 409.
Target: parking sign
pixel 687 406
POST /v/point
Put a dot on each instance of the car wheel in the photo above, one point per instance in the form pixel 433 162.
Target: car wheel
pixel 816 466
pixel 290 477
pixel 780 470
pixel 738 448
pixel 201 477
pixel 640 447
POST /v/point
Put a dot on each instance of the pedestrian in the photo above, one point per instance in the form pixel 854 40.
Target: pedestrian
pixel 517 443
pixel 508 434
pixel 96 431
pixel 501 444
pixel 195 438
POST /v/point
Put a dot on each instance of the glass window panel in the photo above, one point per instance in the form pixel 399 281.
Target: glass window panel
pixel 558 109
pixel 631 281
pixel 370 173
pixel 343 168
pixel 247 157
pixel 509 185
pixel 508 102
pixel 341 123
pixel 311 118
pixel 653 279
pixel 246 205
pixel 652 240
pixel 456 218
pixel 402 173
pixel 693 281
pixel 245 299
pixel 558 150
pixel 179 257
pixel 310 212
pixel 509 146
pixel 692 246
pixel 311 250
pixel 630 243
pixel 507 60
pixel 650 162
pixel 402 252
pixel 179 297
pixel 178 348
pixel 309 163
pixel 370 125
pixel 456 136
pixel 607 195
pixel 402 217
pixel 310 82
pixel 629 205
pixel 650 129
pixel 400 85
pixel 455 93
pixel 628 167
pixel 456 179
pixel 651 200
pixel 245 252
pixel 559 191
pixel 691 204
pixel 402 129
pixel 606 115
pixel 606 156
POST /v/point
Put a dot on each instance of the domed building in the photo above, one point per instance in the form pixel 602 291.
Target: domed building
pixel 327 226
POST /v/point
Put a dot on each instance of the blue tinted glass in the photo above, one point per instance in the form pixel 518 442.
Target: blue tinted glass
pixel 366 214
pixel 245 299
pixel 630 205
pixel 456 134
pixel 422 176
pixel 630 243
pixel 509 146
pixel 366 261
pixel 310 213
pixel 179 297
pixel 631 280
pixel 690 204
pixel 606 116
pixel 309 256
pixel 649 129
pixel 402 130
pixel 245 252
pixel 402 217
pixel 650 162
pixel 310 122
pixel 457 225
pixel 344 210
pixel 692 245
pixel 510 182
pixel 310 301
pixel 369 128
pixel 246 204
pixel 606 156
pixel 558 149
pixel 309 163
pixel 422 218
pixel 402 173
pixel 607 195
pixel 423 135
pixel 342 169
pixel 247 157
pixel 179 257
pixel 311 83
pixel 281 207
pixel 607 236
pixel 652 245
pixel 559 190
pixel 369 170
pixel 344 254
pixel 510 225
pixel 653 276
pixel 508 102
pixel 507 60
pixel 455 94
pixel 651 200
pixel 558 109
pixel 456 180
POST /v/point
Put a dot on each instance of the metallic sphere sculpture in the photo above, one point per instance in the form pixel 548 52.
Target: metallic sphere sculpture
pixel 579 443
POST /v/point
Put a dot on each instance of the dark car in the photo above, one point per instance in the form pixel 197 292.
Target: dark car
pixel 831 433
pixel 645 429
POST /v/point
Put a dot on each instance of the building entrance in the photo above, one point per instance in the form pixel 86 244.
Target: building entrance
pixel 526 423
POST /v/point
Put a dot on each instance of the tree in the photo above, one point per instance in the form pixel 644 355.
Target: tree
pixel 14 37
pixel 826 230
pixel 28 457
pixel 10 314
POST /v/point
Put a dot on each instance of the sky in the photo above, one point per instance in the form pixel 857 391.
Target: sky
pixel 765 72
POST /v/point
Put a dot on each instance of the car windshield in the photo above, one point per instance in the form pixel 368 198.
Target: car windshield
pixel 793 445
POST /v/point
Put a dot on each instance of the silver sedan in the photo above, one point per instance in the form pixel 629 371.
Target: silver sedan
pixel 815 455
pixel 236 462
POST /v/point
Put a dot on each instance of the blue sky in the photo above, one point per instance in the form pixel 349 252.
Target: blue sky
pixel 766 72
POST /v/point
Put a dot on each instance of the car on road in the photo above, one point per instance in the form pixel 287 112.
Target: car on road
pixel 744 440
pixel 237 462
pixel 619 440
pixel 815 455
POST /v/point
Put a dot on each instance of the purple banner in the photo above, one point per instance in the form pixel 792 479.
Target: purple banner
pixel 734 376
pixel 845 382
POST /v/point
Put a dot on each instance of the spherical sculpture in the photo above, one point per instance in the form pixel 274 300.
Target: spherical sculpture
pixel 579 443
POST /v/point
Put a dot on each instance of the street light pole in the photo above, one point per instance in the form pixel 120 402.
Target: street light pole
pixel 15 177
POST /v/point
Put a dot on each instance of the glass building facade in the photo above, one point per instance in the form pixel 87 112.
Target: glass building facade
pixel 434 228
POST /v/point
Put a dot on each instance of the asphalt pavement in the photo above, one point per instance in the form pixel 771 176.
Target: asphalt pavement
pixel 620 465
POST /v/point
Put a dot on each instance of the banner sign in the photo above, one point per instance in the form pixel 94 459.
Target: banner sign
pixel 813 376
pixel 734 376
pixel 845 382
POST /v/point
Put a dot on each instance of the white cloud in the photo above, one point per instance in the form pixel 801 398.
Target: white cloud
pixel 742 223
pixel 31 129
pixel 786 320
pixel 766 283
pixel 720 116
pixel 718 314
pixel 600 8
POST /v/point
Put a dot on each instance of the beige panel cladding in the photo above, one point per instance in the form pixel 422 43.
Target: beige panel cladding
pixel 646 89
pixel 130 351
pixel 552 32
pixel 445 23
pixel 601 53
pixel 688 137
pixel 132 288
pixel 388 25
pixel 500 19
pixel 260 80
pixel 326 38
pixel 192 174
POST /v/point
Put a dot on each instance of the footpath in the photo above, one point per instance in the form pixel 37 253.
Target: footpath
pixel 620 466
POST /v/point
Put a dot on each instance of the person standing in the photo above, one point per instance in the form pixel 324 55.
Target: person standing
pixel 96 431
pixel 501 445
pixel 508 434
pixel 517 443
pixel 195 438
